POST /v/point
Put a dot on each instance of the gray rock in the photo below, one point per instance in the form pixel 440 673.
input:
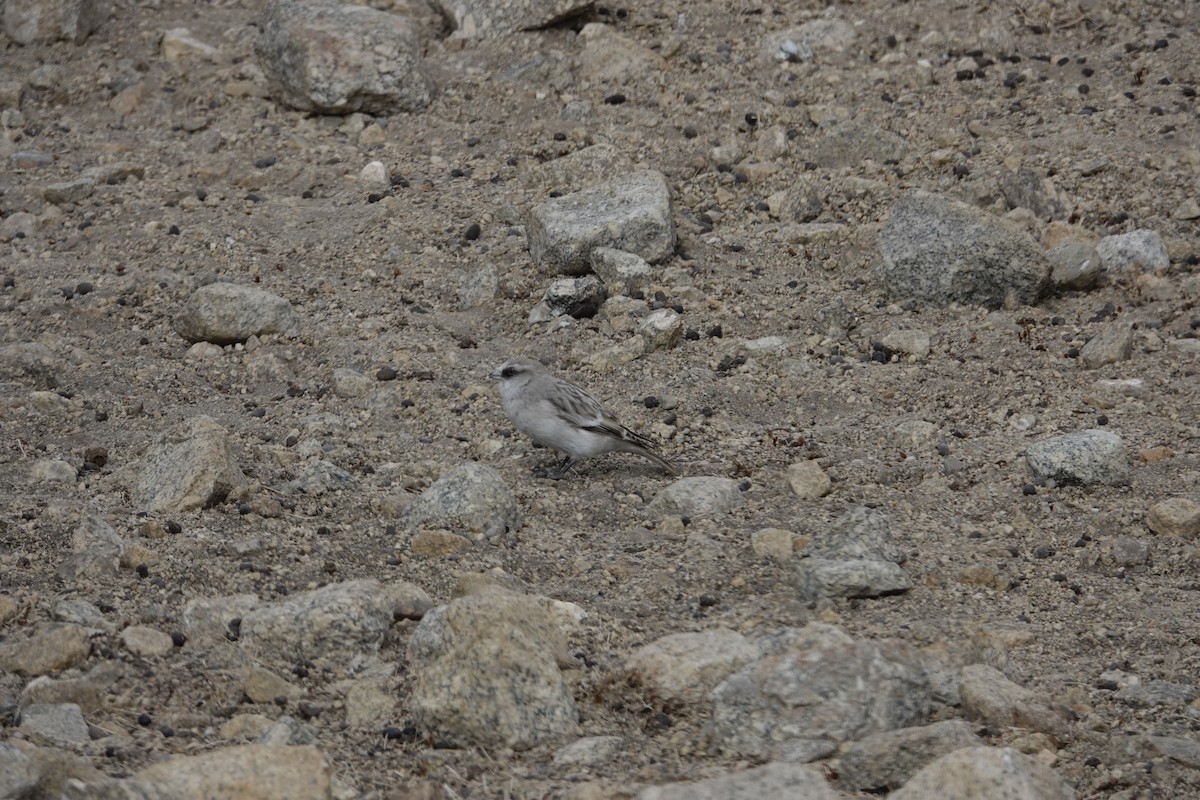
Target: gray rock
pixel 486 672
pixel 51 647
pixel 30 361
pixel 287 730
pixel 59 725
pixel 1084 457
pixel 479 289
pixel 1024 188
pixel 323 56
pixel 206 619
pixel 580 298
pixel 686 667
pixel 350 383
pixel 590 751
pixel 83 690
pixel 491 18
pixel 1175 516
pixel 95 548
pixel 813 636
pixel 857 533
pixel 697 497
pixel 985 773
pixel 1156 693
pixel 938 251
pixel 18 773
pixel 662 329
pixel 340 624
pixel 52 470
pixel 849 142
pixel 1074 265
pixel 816 36
pixel 807 480
pixel 630 213
pixel 1129 552
pixel 75 191
pixel 886 760
pixel 800 202
pixel 807 700
pixel 191 466
pixel 147 642
pixel 1185 751
pixel 913 343
pixel 580 169
pixel 988 695
pixel 1114 343
pixel 471 496
pixel 47 21
pixel 778 780
pixel 620 269
pixel 238 773
pixel 370 698
pixel 816 578
pixel 20 224
pixel 226 313
pixel 1143 249
pixel 321 477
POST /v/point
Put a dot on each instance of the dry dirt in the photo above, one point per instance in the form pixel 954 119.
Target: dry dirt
pixel 377 285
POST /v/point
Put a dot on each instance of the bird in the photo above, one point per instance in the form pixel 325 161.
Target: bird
pixel 564 417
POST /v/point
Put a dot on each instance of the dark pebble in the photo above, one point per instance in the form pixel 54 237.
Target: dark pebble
pixel 615 99
pixel 670 418
pixel 174 527
pixel 173 230
pixel 472 232
pixel 375 197
pixel 84 288
pixel 1072 352
pixel 101 416
pixel 178 638
pixel 386 374
pixel 559 137
pixel 400 180
pixel 1044 551
pixel 255 197
pixel 744 485
pixel 258 413
pixel 715 332
pixel 142 571
pixel 167 731
pixel 291 441
pixel 708 601
pixel 144 720
pixel 265 161
pixel 1083 88
pixel 323 530
pixel 692 335
pixel 651 402
pixel 1029 489
pixel 1102 420
pixel 244 508
pixel 690 132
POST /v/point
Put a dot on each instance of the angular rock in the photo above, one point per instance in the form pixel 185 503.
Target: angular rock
pixel 142 640
pixel 226 313
pixel 884 761
pixel 822 35
pixel 487 672
pixel 191 466
pixel 1143 249
pixel 1024 188
pixel 1175 516
pixel 84 691
pixel 18 773
pixel 662 329
pixel 580 169
pixel 1084 458
pixel 816 578
pixel 912 343
pixel 801 702
pixel 614 59
pixel 58 725
pixel 985 773
pixel 321 477
pixel 75 191
pixel 1114 343
pixel 1156 693
pixel 179 43
pixel 988 695
pixel 938 251
pixel 858 533
pixel 777 543
pixel 778 780
pixel 589 751
pixel 51 647
pixel 580 298
pixel 479 289
pixel 207 619
pixel 470 496
pixel 47 21
pixel 484 19
pixel 1074 265
pixel 849 142
pixel 32 362
pixel 323 56
pixel 341 624
pixel 686 667
pixel 697 497
pixel 96 548
pixel 800 202
pixel 630 213
pixel 620 269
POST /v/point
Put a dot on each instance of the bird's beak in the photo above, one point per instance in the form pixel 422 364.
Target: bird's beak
pixel 494 375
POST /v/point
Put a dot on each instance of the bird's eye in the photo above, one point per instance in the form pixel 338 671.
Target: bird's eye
pixel 508 372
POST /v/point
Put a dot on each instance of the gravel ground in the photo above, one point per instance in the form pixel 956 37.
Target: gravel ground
pixel 1097 101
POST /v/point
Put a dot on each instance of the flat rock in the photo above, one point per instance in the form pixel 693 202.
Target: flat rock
pixel 51 647
pixel 816 578
pixel 19 774
pixel 46 21
pixel 340 623
pixel 807 480
pixel 686 667
pixel 227 313
pixel 985 773
pixel 96 548
pixel 884 761
pixel 490 18
pixel 1113 344
pixel 776 780
pixel 1084 457
pixel 630 213
pixel 32 363
pixel 590 751
pixel 989 696
pixel 191 466
pixel 470 496
pixel 330 58
pixel 142 640
pixel 849 142
pixel 580 169
pixel 697 497
pixel 804 700
pixel 938 251
pixel 1074 265
pixel 58 725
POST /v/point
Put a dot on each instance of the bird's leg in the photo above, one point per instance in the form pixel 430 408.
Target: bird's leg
pixel 557 474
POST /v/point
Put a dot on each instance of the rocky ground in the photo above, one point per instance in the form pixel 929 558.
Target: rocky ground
pixel 232 516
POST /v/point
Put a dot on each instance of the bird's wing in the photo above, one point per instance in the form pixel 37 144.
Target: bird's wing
pixel 580 409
